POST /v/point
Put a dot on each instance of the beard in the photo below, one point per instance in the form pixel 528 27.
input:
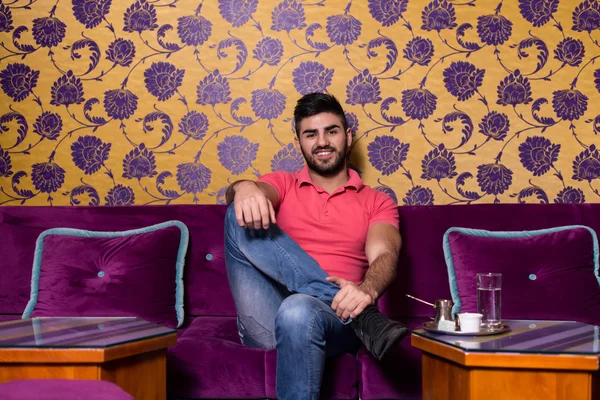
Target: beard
pixel 329 167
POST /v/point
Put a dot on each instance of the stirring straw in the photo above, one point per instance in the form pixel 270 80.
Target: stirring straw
pixel 422 301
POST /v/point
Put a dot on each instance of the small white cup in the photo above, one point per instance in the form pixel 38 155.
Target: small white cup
pixel 469 322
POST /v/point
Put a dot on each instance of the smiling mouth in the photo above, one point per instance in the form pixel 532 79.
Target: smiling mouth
pixel 324 154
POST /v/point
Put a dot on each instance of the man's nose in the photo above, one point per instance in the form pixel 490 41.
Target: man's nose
pixel 322 139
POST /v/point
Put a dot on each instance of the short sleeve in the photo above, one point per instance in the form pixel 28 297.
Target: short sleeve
pixel 281 181
pixel 384 210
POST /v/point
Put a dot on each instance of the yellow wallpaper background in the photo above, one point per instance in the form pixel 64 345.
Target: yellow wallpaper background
pixel 166 101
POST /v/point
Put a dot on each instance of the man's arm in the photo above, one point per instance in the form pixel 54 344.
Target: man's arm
pixel 253 203
pixel 382 249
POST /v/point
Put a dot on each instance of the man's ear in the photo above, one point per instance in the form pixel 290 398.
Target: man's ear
pixel 349 137
pixel 297 143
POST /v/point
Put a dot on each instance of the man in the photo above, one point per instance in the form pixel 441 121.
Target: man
pixel 309 253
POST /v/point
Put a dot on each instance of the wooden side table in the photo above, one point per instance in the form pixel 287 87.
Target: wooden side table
pixel 545 360
pixel 127 351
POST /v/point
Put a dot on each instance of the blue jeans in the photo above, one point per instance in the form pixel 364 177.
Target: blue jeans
pixel 283 301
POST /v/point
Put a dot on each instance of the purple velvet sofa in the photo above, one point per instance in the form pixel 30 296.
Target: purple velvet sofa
pixel 208 360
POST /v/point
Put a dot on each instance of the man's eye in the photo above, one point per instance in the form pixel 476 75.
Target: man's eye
pixel 333 132
pixel 310 135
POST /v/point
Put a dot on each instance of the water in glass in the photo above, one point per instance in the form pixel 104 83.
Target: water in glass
pixel 489 304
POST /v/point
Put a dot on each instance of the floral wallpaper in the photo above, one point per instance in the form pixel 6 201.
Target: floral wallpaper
pixel 168 101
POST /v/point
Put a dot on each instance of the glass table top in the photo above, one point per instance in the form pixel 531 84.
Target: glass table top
pixel 77 332
pixel 528 336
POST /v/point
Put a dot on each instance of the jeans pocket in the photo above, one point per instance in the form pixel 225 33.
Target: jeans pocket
pixel 253 334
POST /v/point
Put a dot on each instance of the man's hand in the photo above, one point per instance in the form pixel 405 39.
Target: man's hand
pixel 351 300
pixel 252 207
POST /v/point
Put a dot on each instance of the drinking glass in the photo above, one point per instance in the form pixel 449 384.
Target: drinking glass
pixel 489 299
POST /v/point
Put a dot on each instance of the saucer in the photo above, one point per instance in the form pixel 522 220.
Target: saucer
pixel 430 327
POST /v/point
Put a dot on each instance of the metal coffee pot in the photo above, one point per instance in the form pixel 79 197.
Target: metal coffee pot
pixel 443 310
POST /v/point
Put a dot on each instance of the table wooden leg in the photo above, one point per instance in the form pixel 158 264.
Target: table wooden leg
pixel 445 380
pixel 9 372
pixel 143 376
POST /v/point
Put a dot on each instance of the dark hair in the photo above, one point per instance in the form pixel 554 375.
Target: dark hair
pixel 316 103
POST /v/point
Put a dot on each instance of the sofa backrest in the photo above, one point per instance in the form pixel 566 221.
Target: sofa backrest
pixel 422 270
pixel 206 288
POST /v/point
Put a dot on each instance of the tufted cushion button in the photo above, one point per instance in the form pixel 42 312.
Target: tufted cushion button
pixel 209 256
pixel 101 274
pixel 533 277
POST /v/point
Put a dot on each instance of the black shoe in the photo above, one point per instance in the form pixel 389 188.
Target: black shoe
pixel 377 332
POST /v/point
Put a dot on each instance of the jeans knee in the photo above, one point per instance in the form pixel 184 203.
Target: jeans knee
pixel 296 314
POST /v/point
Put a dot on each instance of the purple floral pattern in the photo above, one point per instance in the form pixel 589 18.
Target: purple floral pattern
pixel 388 12
pixel 538 12
pixel 462 79
pixel 120 195
pixel 269 51
pixel 494 29
pixel 418 103
pixel 586 166
pixel 18 80
pixel 67 90
pixel 495 125
pixel 89 153
pixel 419 51
pixel 287 159
pixel 570 195
pixel 193 177
pixel 514 89
pixel 386 154
pixel 47 177
pixel 236 153
pixel 494 178
pixel 213 90
pixel 139 163
pixel 194 125
pixel 538 154
pixel 48 31
pixel 343 29
pixel 438 15
pixel 488 96
pixel 237 12
pixel 121 52
pixel 419 196
pixel 120 103
pixel 194 30
pixel 312 77
pixel 438 164
pixel 569 104
pixel 586 16
pixel 363 89
pixel 48 125
pixel 570 51
pixel 91 12
pixel 288 15
pixel 162 80
pixel 5 164
pixel 141 16
pixel 268 103
pixel 5 19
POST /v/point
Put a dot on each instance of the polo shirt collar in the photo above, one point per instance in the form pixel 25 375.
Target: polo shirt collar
pixel 354 182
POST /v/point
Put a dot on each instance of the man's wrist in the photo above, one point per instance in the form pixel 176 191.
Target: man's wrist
pixel 370 291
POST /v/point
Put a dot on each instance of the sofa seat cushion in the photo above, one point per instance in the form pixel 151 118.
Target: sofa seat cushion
pixel 558 265
pixel 398 375
pixel 61 389
pixel 209 361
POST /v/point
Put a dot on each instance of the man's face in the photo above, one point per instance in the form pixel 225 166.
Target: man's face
pixel 324 143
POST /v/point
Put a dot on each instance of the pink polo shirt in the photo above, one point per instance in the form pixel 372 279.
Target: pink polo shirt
pixel 332 228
